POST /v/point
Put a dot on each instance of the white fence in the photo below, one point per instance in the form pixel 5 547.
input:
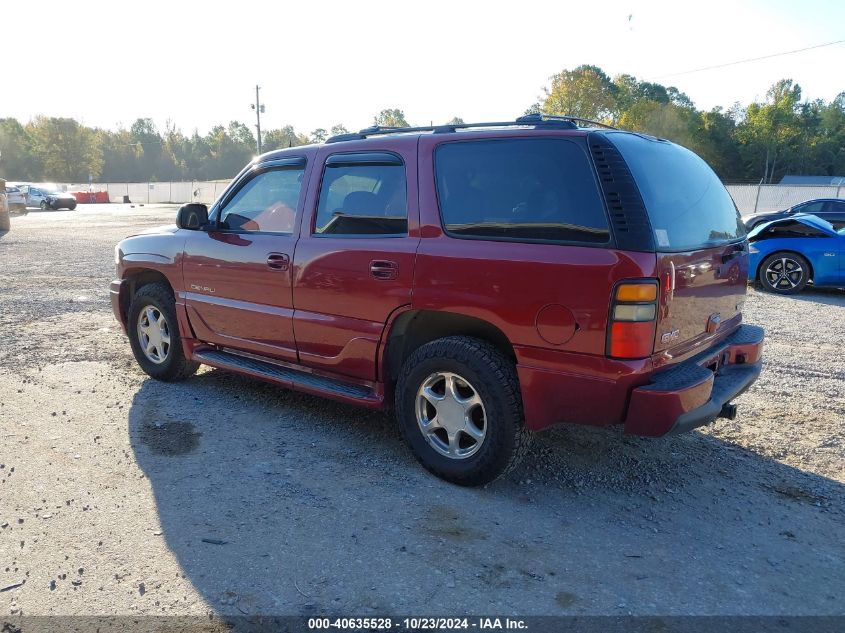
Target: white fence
pixel 748 198
pixel 157 192
pixel 762 198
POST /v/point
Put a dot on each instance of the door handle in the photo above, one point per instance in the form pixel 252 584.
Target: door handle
pixel 278 261
pixel 383 269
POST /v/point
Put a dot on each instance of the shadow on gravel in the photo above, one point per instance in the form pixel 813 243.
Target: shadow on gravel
pixel 280 503
pixel 829 296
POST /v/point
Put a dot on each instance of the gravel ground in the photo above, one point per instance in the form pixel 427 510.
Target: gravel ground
pixel 121 495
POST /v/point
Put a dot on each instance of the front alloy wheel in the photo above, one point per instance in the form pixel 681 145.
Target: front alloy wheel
pixel 784 273
pixel 155 339
pixel 153 334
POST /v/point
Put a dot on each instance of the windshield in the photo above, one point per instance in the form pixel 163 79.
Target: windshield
pixel 688 206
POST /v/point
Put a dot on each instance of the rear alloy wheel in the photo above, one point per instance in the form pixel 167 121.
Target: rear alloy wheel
pixel 459 407
pixel 450 415
pixel 44 206
pixel 784 273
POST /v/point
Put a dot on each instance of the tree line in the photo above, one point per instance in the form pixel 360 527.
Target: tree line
pixel 759 142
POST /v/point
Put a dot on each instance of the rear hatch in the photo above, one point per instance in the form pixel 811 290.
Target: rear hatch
pixel 699 237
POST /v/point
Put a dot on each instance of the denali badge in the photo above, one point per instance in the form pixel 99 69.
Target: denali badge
pixel 202 288
pixel 669 337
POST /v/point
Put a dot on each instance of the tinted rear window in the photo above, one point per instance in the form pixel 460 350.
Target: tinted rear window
pixel 688 206
pixel 520 190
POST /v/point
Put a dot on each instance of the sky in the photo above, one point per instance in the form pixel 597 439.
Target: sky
pixel 321 63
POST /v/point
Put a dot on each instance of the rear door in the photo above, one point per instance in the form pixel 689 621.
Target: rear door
pixel 702 255
pixel 354 262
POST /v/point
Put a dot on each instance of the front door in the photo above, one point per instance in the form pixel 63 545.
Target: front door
pixel 354 262
pixel 237 274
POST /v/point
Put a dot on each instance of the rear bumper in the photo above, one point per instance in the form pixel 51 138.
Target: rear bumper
pixel 694 393
pixel 119 292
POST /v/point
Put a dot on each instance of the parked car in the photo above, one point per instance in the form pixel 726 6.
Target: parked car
pixel 5 222
pixel 47 197
pixel 487 280
pixel 790 253
pixel 830 209
pixel 15 199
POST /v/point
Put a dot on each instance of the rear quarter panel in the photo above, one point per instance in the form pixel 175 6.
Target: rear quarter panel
pixel 550 300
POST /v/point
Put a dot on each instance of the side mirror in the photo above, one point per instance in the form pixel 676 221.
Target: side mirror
pixel 192 216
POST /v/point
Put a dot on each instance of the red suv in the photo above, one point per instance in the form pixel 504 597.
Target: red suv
pixel 486 280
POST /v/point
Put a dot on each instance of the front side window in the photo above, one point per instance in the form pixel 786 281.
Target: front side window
pixel 267 203
pixel 361 199
pixel 520 190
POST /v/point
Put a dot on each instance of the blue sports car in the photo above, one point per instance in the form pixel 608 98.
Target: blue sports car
pixel 789 253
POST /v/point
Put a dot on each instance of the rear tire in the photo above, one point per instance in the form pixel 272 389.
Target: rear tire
pixel 44 206
pixel 154 335
pixel 464 388
pixel 784 273
pixel 72 207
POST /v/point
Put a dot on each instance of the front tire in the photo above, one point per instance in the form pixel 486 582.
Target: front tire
pixel 154 335
pixel 44 206
pixel 784 273
pixel 459 407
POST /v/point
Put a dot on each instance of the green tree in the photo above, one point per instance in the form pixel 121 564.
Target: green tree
pixel 339 129
pixel 534 108
pixel 18 159
pixel 282 138
pixel 68 150
pixel 120 155
pixel 771 129
pixel 318 135
pixel 455 120
pixel 230 148
pixel 584 92
pixel 391 118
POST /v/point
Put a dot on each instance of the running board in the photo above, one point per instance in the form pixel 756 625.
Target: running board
pixel 296 379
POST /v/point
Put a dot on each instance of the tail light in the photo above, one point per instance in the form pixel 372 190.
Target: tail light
pixel 633 318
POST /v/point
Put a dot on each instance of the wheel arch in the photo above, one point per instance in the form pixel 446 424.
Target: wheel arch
pixel 414 328
pixel 136 279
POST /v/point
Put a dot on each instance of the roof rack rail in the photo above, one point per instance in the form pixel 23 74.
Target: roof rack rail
pixel 537 120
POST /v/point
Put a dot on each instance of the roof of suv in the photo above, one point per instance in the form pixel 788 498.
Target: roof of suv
pixel 533 121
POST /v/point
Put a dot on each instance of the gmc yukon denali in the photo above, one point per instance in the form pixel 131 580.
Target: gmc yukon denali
pixel 485 280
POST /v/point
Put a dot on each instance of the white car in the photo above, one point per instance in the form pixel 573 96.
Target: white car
pixel 5 225
pixel 47 197
pixel 15 199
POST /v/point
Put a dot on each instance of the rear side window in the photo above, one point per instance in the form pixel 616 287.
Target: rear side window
pixel 687 204
pixel 810 207
pixel 519 190
pixel 363 200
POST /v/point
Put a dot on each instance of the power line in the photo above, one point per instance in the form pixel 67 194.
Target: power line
pixel 745 61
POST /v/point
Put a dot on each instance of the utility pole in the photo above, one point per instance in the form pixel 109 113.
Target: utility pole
pixel 259 110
